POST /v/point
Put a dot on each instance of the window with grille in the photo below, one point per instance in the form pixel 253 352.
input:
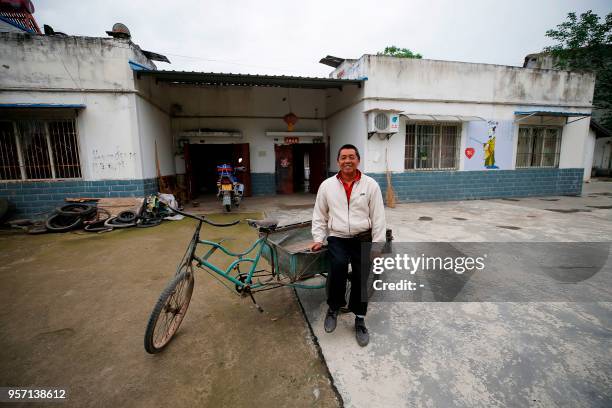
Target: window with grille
pixel 538 147
pixel 39 149
pixel 432 146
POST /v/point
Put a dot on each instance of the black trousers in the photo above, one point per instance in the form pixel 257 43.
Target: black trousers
pixel 343 251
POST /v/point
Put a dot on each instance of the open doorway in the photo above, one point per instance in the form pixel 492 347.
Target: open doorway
pixel 300 167
pixel 201 161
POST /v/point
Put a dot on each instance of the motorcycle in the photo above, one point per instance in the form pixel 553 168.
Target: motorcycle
pixel 229 189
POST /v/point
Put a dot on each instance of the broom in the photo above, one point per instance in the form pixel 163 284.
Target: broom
pixel 390 193
pixel 163 186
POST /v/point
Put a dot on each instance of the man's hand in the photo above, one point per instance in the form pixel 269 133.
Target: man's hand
pixel 316 246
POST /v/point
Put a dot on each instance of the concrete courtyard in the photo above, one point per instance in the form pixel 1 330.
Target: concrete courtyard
pixel 483 354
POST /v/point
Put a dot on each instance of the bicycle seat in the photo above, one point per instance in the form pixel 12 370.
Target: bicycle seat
pixel 265 224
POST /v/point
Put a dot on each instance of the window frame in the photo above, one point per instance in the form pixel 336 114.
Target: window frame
pixel 437 146
pixel 533 150
pixel 50 142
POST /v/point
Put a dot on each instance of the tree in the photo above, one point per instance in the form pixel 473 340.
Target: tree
pixel 393 51
pixel 585 43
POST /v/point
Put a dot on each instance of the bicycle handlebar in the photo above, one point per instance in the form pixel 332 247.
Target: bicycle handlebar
pixel 197 217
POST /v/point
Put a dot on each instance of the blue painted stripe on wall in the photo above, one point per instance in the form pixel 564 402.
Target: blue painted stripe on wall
pixel 35 199
pixel 263 183
pixel 473 185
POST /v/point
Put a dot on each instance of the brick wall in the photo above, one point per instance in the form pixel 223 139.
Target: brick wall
pixel 473 185
pixel 263 183
pixel 33 199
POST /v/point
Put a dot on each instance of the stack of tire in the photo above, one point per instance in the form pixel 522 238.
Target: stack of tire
pixel 71 216
pixel 93 219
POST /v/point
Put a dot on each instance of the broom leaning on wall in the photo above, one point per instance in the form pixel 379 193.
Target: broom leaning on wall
pixel 390 193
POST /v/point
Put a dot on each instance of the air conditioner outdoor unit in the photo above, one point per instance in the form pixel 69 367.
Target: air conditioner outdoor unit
pixel 383 122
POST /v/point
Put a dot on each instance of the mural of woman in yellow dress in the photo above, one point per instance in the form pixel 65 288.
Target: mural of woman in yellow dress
pixel 489 148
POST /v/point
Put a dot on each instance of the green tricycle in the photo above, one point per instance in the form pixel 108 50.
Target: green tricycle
pixel 286 248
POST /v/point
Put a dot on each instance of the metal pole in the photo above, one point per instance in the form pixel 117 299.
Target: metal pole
pixel 49 149
pixel 19 153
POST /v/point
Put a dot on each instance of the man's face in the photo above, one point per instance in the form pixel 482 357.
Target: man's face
pixel 348 162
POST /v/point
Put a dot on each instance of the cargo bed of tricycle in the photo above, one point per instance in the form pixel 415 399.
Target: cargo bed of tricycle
pixel 290 244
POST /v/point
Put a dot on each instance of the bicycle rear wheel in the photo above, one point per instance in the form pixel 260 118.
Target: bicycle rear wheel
pixel 169 311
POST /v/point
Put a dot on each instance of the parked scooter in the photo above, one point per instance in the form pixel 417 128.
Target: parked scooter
pixel 229 189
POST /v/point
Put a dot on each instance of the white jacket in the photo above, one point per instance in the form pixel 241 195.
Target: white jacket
pixel 333 216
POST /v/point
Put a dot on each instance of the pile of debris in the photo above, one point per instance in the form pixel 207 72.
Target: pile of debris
pixel 93 218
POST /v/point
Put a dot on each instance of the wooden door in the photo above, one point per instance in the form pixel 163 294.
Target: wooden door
pixel 284 169
pixel 318 166
pixel 242 150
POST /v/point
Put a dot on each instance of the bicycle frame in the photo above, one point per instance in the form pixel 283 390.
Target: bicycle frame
pixel 170 308
pixel 257 247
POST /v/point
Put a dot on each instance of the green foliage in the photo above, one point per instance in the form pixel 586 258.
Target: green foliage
pixel 394 51
pixel 585 43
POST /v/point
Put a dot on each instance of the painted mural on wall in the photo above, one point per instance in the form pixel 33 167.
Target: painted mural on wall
pixel 353 71
pixel 489 145
pixel 112 164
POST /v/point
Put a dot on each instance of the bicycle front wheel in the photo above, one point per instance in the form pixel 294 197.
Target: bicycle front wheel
pixel 169 311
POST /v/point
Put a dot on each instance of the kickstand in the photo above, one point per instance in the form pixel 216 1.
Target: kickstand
pixel 254 302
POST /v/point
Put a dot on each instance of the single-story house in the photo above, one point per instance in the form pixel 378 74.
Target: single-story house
pixel 94 117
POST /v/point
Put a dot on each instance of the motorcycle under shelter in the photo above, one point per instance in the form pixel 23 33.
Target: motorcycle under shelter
pixel 277 125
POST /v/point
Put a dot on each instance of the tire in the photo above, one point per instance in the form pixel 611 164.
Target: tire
pixel 148 222
pixel 62 223
pixel 89 228
pixel 36 229
pixel 113 222
pixel 97 226
pixel 169 311
pixel 100 216
pixel 228 207
pixel 127 216
pixel 82 210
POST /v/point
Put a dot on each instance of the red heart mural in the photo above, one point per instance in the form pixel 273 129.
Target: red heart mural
pixel 469 152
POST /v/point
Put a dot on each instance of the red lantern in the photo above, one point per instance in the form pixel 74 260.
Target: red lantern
pixel 290 119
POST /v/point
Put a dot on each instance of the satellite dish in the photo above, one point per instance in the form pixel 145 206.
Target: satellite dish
pixel 119 31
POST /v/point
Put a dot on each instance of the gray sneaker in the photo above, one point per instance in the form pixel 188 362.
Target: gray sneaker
pixel 361 332
pixel 330 320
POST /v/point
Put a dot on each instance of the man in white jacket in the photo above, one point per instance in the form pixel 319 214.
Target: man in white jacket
pixel 349 210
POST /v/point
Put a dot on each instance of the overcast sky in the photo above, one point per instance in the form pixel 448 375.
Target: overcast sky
pixel 284 37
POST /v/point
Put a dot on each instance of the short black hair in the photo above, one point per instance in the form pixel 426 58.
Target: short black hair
pixel 348 146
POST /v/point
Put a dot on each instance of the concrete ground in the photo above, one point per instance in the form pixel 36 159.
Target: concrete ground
pixel 467 354
pixel 75 308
